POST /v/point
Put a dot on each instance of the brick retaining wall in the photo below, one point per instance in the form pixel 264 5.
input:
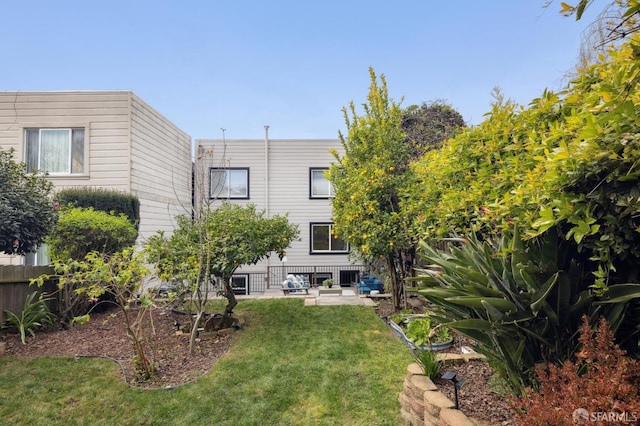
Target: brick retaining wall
pixel 423 404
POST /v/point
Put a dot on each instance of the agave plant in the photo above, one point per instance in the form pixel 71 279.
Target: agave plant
pixel 520 302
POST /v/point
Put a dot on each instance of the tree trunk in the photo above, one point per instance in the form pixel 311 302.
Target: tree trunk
pixel 194 330
pixel 397 288
pixel 231 304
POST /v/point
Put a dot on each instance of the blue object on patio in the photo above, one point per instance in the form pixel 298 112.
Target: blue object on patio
pixel 368 283
pixel 295 285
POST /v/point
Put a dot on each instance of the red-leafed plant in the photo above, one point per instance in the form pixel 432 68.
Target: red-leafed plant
pixel 602 383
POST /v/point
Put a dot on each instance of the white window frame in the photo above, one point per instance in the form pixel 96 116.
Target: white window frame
pixel 318 173
pixel 330 237
pixel 80 151
pixel 225 192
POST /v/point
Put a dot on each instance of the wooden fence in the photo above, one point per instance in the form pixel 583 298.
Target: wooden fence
pixel 14 286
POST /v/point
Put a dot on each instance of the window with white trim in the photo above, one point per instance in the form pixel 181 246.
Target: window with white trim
pixel 319 185
pixel 324 240
pixel 229 183
pixel 55 150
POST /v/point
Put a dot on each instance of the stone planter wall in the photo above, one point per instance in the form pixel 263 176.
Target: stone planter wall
pixel 423 404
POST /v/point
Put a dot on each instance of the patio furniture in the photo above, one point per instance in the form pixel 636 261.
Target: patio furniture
pixel 295 285
pixel 368 283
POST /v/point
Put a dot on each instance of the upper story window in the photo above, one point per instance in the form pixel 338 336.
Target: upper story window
pixel 229 183
pixel 319 185
pixel 324 241
pixel 57 151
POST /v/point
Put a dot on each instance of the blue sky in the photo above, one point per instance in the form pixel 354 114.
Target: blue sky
pixel 292 65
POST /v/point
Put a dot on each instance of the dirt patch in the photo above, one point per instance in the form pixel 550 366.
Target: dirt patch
pixel 105 336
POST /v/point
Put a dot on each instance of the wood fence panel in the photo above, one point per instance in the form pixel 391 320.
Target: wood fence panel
pixel 14 286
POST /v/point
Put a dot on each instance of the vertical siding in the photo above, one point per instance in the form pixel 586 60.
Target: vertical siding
pixel 160 168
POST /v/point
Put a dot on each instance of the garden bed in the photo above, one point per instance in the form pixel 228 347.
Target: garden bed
pixel 479 396
pixel 105 336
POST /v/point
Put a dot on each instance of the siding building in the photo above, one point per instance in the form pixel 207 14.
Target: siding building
pixel 101 139
pixel 279 176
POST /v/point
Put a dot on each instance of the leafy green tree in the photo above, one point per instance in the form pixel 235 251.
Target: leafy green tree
pixel 368 179
pixel 429 124
pixel 26 207
pixel 210 248
pixel 568 164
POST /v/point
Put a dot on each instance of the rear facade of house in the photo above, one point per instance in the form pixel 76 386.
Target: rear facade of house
pixel 279 176
pixel 101 139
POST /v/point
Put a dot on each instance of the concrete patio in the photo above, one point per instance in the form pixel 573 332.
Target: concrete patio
pixel 317 296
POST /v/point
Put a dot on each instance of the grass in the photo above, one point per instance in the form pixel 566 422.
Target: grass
pixel 290 365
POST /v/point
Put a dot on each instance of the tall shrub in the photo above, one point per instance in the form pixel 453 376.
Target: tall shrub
pixel 569 163
pixel 104 200
pixel 367 181
pixel 80 231
pixel 27 212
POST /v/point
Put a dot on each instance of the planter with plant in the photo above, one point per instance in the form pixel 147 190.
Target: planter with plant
pixel 328 283
pixel 419 332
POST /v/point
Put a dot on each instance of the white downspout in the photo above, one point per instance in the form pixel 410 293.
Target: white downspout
pixel 266 170
pixel 266 190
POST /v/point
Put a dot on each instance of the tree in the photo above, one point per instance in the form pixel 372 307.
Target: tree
pixel 368 179
pixel 429 124
pixel 568 164
pixel 26 207
pixel 211 247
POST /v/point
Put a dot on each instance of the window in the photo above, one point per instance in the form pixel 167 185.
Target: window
pixel 57 151
pixel 229 183
pixel 240 284
pixel 323 240
pixel 319 186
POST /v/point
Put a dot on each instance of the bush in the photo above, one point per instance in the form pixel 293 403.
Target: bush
pixel 80 231
pixel 601 381
pixel 521 302
pixel 102 200
pixel 26 207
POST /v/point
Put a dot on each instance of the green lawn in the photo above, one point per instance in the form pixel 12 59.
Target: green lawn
pixel 290 365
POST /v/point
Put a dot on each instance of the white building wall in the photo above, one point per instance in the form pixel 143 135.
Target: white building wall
pixel 160 169
pixel 288 162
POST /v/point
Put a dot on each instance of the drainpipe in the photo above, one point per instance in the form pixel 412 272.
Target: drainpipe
pixel 266 170
pixel 266 189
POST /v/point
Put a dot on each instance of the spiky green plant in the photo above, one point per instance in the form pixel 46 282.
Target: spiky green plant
pixel 521 303
pixel 429 362
pixel 35 314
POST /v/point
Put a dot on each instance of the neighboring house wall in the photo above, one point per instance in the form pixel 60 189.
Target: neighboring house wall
pixel 285 189
pixel 128 147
